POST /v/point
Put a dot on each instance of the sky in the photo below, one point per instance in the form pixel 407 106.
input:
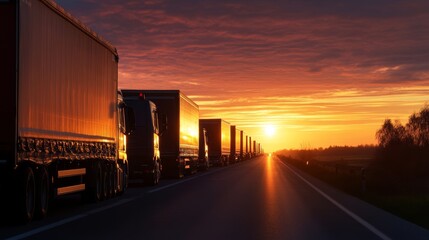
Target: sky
pixel 290 73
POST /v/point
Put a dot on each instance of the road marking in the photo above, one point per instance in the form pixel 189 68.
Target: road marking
pixel 46 227
pixel 67 220
pixel 344 209
pixel 97 210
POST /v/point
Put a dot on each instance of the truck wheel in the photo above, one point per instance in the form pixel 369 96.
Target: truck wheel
pixel 105 182
pixel 42 193
pixel 115 179
pixel 99 182
pixel 125 177
pixel 153 178
pixel 110 181
pixel 94 183
pixel 25 196
pixel 158 172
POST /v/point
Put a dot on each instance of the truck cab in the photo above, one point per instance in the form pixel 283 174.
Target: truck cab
pixel 126 120
pixel 143 145
pixel 203 154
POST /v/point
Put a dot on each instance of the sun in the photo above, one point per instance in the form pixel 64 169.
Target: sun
pixel 270 130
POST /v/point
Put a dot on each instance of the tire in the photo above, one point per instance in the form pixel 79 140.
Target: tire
pixel 99 181
pixel 105 181
pixel 180 172
pixel 25 196
pixel 115 179
pixel 156 174
pixel 94 192
pixel 110 181
pixel 42 193
pixel 124 176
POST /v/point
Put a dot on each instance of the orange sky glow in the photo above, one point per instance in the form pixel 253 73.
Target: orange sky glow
pixel 320 73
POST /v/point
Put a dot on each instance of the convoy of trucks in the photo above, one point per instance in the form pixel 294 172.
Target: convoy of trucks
pixel 179 143
pixel 71 130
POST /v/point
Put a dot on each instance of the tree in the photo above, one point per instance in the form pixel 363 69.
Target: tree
pixel 418 127
pixel 393 134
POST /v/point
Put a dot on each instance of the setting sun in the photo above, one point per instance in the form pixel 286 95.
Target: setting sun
pixel 270 130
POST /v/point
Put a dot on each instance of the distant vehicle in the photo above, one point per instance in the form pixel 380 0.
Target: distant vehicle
pixel 179 143
pixel 246 147
pixel 64 123
pixel 218 134
pixel 253 143
pixel 242 145
pixel 143 145
pixel 203 154
pixel 250 144
pixel 236 145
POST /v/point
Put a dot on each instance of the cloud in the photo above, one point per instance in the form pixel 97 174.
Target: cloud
pixel 307 62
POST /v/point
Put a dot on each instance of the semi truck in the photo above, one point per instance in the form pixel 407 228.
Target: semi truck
pixel 64 122
pixel 203 151
pixel 143 145
pixel 250 147
pixel 219 136
pixel 236 144
pixel 178 144
pixel 245 146
pixel 254 149
pixel 241 151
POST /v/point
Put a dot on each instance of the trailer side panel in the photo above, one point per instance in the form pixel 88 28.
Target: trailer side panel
pixel 68 81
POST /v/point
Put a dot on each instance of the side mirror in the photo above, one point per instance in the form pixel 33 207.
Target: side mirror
pixel 130 122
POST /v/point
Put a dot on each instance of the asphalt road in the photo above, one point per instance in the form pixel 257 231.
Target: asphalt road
pixel 260 198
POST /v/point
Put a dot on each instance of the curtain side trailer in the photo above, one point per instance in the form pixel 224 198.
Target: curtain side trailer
pixel 64 122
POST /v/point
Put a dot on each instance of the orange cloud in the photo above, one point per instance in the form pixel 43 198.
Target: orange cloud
pixel 323 73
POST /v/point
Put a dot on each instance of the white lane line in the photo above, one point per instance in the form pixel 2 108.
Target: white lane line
pixel 80 216
pixel 344 209
pixel 67 220
pixel 46 227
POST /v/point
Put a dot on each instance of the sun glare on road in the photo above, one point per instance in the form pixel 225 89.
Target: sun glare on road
pixel 270 130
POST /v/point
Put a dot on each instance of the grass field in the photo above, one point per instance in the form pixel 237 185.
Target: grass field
pixel 402 195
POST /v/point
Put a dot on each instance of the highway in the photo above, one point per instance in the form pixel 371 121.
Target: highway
pixel 262 198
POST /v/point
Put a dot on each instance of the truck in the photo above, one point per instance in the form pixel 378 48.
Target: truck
pixel 179 143
pixel 250 147
pixel 245 146
pixel 203 151
pixel 241 151
pixel 143 145
pixel 64 122
pixel 254 148
pixel 236 144
pixel 219 135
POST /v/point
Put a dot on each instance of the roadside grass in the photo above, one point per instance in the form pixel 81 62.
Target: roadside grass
pixel 402 195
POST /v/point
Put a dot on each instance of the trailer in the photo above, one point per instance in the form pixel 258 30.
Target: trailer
pixel 143 145
pixel 245 146
pixel 254 150
pixel 242 139
pixel 203 151
pixel 64 122
pixel 179 143
pixel 219 136
pixel 250 147
pixel 236 145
